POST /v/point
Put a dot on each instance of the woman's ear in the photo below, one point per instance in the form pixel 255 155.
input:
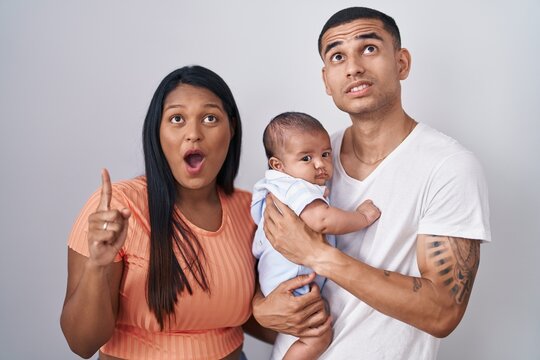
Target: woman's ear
pixel 231 128
pixel 275 164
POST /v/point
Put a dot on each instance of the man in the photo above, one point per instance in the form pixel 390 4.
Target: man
pixel 397 287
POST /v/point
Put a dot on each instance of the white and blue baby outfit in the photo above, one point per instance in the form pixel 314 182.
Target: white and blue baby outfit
pixel 296 193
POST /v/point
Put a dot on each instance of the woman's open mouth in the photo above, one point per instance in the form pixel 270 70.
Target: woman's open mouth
pixel 194 161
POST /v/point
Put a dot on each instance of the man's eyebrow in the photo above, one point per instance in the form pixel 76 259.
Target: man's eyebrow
pixel 331 46
pixel 371 35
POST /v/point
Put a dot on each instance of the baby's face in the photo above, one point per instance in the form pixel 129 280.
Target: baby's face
pixel 308 156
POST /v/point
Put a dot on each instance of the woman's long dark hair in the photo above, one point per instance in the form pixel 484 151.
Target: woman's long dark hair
pixel 166 278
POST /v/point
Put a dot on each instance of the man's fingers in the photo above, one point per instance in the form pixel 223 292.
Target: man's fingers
pixel 273 207
pixel 318 330
pixel 315 314
pixel 297 282
pixel 106 191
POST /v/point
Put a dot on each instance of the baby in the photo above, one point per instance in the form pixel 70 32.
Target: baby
pixel 300 161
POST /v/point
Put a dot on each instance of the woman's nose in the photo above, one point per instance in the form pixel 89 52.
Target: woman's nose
pixel 193 131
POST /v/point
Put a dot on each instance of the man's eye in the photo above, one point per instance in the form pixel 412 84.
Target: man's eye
pixel 176 119
pixel 210 119
pixel 336 57
pixel 306 158
pixel 369 49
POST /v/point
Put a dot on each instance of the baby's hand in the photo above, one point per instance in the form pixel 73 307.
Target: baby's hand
pixel 369 210
pixel 326 192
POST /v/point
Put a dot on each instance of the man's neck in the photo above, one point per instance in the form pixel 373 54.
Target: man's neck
pixel 372 139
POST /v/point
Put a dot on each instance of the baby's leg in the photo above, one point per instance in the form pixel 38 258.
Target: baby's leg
pixel 370 211
pixel 309 348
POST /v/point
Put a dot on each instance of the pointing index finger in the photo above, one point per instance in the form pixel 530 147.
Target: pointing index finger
pixel 106 191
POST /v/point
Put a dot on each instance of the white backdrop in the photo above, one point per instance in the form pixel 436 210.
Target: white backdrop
pixel 76 79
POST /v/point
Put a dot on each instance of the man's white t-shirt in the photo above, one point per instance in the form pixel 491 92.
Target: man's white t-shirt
pixel 429 184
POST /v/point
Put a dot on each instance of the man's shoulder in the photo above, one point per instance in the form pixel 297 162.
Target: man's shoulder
pixel 435 144
pixel 337 136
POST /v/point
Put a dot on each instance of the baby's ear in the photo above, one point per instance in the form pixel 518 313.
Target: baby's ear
pixel 275 164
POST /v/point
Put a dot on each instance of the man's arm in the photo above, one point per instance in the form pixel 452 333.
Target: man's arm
pixel 327 219
pixel 434 302
pixel 283 312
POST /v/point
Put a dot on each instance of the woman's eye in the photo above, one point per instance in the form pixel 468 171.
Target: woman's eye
pixel 210 119
pixel 369 49
pixel 177 119
pixel 336 57
pixel 306 158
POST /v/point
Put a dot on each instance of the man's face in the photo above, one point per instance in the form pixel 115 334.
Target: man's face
pixel 362 68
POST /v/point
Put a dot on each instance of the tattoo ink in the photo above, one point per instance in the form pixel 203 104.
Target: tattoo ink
pixel 467 254
pixel 417 284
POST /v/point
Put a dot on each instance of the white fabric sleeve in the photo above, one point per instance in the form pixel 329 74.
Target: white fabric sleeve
pixel 456 202
pixel 302 193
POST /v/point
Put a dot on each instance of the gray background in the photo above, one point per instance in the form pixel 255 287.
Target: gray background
pixel 76 79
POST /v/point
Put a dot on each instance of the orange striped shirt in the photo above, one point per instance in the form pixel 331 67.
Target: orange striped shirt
pixel 204 326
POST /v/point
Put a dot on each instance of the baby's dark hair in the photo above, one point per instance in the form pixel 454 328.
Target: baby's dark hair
pixel 275 132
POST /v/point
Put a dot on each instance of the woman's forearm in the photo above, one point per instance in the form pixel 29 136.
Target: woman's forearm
pixel 89 313
pixel 253 328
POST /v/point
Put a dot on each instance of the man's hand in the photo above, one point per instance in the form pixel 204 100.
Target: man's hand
pixel 289 235
pixel 283 312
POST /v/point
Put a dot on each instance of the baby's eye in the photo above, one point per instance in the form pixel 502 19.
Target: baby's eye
pixel 306 158
pixel 326 154
pixel 370 49
pixel 210 119
pixel 176 119
pixel 336 57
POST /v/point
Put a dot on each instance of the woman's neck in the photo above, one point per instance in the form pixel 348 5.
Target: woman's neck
pixel 194 197
pixel 201 207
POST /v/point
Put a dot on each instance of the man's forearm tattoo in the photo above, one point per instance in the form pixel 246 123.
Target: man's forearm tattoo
pixel 458 273
pixel 417 284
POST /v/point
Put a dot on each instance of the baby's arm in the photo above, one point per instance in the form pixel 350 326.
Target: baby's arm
pixel 327 219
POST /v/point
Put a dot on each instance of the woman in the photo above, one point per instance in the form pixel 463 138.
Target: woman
pixel 161 265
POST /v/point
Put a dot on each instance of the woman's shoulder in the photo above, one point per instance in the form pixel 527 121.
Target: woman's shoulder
pixel 131 190
pixel 240 198
pixel 241 193
pixel 136 184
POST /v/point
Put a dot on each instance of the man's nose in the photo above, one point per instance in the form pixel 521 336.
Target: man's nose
pixel 355 66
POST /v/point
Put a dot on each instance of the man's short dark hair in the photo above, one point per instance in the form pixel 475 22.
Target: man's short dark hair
pixel 354 13
pixel 276 130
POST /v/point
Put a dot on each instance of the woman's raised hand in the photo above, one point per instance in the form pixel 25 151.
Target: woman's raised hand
pixel 107 228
